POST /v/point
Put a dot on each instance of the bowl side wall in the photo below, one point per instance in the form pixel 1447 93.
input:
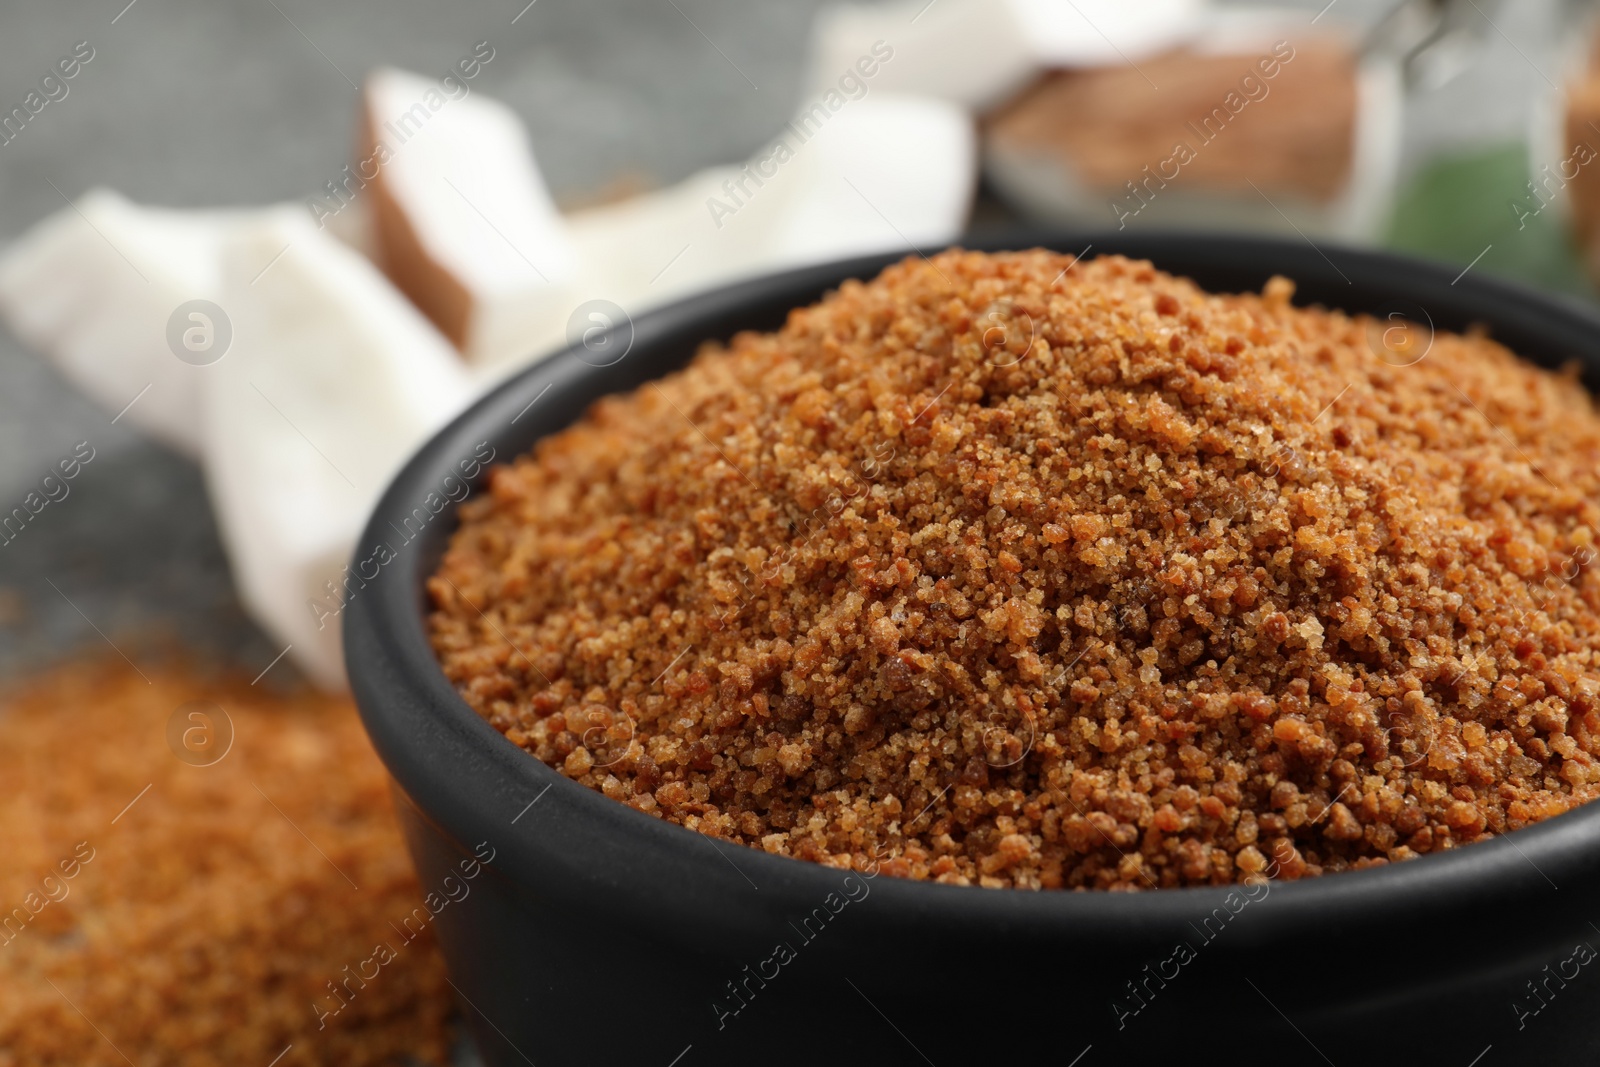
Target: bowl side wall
pixel 660 897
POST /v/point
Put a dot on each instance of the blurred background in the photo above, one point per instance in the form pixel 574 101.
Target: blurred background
pixel 1447 129
pixel 460 188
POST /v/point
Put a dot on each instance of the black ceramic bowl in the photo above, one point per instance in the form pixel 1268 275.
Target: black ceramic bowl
pixel 596 934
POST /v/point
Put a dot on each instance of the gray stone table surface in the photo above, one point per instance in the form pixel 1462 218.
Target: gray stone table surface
pixel 190 104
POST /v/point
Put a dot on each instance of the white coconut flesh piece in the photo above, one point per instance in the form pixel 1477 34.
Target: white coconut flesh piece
pixel 970 52
pixel 463 221
pixel 878 173
pixel 95 288
pixel 332 381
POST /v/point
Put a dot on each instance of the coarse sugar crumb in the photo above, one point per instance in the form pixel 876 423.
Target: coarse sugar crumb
pixel 1012 574
pixel 158 912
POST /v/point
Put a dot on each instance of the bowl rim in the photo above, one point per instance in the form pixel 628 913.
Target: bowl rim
pixel 466 778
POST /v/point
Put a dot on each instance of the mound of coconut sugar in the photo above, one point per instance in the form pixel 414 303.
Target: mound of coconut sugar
pixel 1013 570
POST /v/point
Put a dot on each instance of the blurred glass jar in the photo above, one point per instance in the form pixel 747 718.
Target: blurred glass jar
pixel 1498 147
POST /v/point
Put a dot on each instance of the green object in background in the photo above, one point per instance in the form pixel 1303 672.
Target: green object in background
pixel 1456 207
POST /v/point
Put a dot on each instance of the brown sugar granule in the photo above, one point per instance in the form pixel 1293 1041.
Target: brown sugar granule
pixel 1016 571
pixel 158 912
